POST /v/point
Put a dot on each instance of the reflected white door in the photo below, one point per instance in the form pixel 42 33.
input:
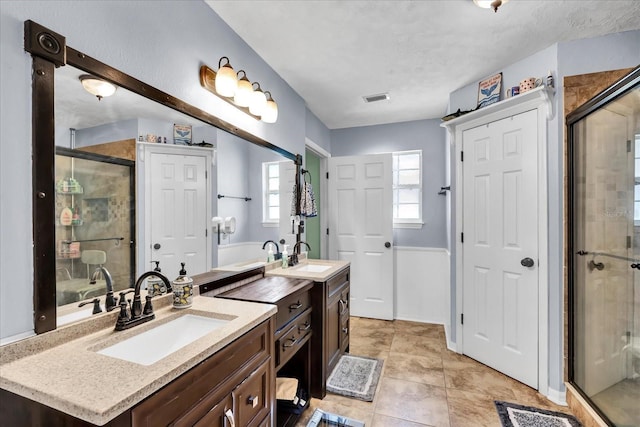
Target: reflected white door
pixel 500 217
pixel 178 212
pixel 287 181
pixel 361 229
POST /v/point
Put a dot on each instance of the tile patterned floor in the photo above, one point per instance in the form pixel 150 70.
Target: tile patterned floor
pixel 423 383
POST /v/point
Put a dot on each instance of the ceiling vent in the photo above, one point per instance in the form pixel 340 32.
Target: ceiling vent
pixel 376 98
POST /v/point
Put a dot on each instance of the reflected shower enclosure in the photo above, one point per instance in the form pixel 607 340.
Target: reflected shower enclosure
pixel 604 278
pixel 95 220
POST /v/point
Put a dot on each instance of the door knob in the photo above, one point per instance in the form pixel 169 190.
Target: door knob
pixel 527 262
pixel 156 246
pixel 387 245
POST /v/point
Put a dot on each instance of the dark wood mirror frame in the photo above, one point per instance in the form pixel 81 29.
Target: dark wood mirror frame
pixel 49 50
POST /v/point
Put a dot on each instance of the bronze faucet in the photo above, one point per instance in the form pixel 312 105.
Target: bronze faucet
pixel 138 314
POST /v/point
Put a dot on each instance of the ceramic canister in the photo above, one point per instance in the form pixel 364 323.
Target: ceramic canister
pixel 182 290
pixel 529 83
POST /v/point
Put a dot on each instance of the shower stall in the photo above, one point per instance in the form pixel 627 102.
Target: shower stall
pixel 604 245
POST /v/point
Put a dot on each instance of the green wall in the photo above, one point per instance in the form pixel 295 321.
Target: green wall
pixel 312 224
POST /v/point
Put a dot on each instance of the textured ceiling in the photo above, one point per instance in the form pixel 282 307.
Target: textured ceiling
pixel 332 53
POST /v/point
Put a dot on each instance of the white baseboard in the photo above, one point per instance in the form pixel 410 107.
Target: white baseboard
pixel 558 397
pixel 451 346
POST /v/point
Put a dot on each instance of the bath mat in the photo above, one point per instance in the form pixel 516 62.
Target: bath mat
pixel 355 376
pixel 512 415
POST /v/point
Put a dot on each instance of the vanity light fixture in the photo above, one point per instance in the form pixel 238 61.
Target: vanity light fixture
pixel 490 4
pixel 226 79
pixel 97 87
pixel 237 89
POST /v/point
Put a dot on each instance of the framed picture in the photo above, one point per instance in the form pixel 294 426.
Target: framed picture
pixel 182 134
pixel 489 90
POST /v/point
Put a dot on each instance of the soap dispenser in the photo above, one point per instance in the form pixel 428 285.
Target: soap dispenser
pixel 182 289
pixel 155 285
pixel 270 257
pixel 285 257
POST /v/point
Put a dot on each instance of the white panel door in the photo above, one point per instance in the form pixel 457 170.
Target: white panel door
pixel 361 229
pixel 500 294
pixel 286 183
pixel 178 212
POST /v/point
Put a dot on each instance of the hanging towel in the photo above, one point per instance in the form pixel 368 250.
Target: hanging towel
pixel 308 207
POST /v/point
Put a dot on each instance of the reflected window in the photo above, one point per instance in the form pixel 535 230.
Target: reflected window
pixel 271 192
pixel 407 188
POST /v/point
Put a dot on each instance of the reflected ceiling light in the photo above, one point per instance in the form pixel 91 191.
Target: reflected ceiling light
pixel 258 100
pixel 226 79
pixel 490 4
pixel 270 113
pixel 237 90
pixel 97 87
pixel 243 94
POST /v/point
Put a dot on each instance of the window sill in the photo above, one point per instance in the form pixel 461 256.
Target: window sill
pixel 414 225
pixel 270 224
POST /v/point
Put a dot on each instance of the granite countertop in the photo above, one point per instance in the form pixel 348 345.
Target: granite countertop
pixel 63 370
pixel 297 271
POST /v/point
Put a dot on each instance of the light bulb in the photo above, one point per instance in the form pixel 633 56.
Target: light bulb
pixel 243 94
pixel 226 79
pixel 258 101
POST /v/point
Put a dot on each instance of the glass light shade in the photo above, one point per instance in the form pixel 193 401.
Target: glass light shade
pixel 270 113
pixel 258 102
pixel 489 4
pixel 97 87
pixel 243 94
pixel 226 81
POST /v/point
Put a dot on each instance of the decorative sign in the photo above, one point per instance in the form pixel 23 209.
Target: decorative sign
pixel 182 134
pixel 489 90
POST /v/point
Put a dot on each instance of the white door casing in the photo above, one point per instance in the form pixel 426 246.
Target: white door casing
pixel 501 231
pixel 177 209
pixel 286 185
pixel 361 230
pixel 540 100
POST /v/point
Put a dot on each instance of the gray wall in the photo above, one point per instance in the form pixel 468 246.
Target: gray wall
pixel 426 135
pixel 317 131
pixel 577 57
pixel 142 41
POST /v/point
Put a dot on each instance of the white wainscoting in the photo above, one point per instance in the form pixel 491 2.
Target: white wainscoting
pixel 422 284
pixel 238 252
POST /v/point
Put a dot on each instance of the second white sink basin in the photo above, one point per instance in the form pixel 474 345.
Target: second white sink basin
pixel 152 345
pixel 313 268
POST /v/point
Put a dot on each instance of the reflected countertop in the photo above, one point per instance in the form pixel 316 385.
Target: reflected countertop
pixel 63 370
pixel 300 271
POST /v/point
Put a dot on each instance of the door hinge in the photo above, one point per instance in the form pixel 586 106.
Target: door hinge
pixel 628 242
pixel 205 174
pixel 327 175
pixel 327 231
pixel 206 232
pixel 462 318
pixel 628 145
pixel 461 237
pixel 462 156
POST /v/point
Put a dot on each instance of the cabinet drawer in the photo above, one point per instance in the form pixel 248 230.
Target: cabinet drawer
pixel 289 342
pixel 216 415
pixel 290 307
pixel 252 398
pixel 336 283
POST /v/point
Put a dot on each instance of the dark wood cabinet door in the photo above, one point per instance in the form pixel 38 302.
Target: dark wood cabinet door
pixel 219 415
pixel 332 349
pixel 252 398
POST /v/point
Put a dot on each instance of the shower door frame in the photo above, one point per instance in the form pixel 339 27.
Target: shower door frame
pixel 614 92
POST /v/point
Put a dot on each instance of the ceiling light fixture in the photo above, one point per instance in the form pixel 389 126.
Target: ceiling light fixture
pixel 490 4
pixel 237 89
pixel 97 87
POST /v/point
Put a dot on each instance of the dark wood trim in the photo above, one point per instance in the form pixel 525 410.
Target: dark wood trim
pixel 43 175
pixel 612 92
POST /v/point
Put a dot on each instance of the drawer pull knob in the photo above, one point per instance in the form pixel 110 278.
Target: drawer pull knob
pixel 306 327
pixel 253 401
pixel 295 306
pixel 228 414
pixel 293 342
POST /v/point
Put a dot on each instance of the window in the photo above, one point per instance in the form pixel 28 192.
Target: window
pixel 271 192
pixel 407 189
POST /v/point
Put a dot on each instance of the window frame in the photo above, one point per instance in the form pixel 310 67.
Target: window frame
pixel 415 223
pixel 267 221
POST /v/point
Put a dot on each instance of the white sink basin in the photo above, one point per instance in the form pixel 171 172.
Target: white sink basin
pixel 152 345
pixel 313 268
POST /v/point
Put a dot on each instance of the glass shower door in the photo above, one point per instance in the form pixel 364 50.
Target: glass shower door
pixel 605 286
pixel 94 225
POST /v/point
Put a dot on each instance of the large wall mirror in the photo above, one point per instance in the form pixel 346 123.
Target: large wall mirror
pixel 105 193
